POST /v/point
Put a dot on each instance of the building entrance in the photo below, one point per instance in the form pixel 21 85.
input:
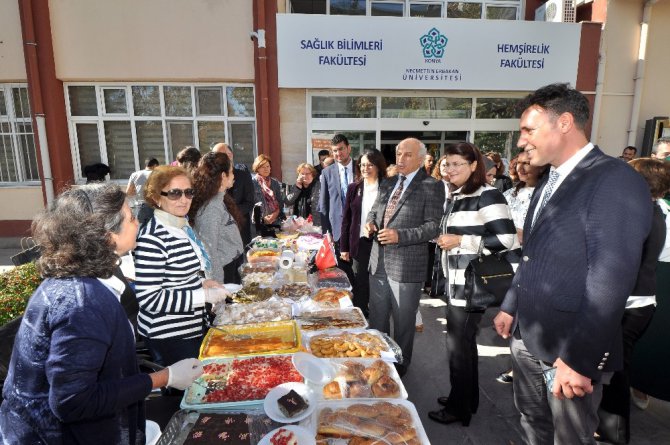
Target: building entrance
pixel 435 141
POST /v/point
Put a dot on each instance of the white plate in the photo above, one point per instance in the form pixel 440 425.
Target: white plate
pixel 232 287
pixel 270 402
pixel 312 368
pixel 303 436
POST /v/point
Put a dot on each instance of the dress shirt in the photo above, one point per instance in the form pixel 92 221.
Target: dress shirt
pixel 350 173
pixel 370 192
pixel 408 180
pixel 563 171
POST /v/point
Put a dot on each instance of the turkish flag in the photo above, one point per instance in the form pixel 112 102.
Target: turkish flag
pixel 325 257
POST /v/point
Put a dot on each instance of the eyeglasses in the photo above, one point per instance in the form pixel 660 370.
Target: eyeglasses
pixel 175 194
pixel 364 165
pixel 449 166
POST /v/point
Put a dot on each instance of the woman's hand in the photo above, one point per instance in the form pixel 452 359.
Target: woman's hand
pixel 448 241
pixel 269 219
pixel 345 256
pixel 299 183
pixel 208 284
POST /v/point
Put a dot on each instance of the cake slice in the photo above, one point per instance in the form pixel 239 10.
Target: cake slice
pixel 292 404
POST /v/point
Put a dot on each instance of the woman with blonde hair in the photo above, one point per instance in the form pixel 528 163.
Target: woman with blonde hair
pixel 304 195
pixel 268 193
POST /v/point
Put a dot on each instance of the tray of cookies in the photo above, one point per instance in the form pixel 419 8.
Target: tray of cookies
pixel 349 318
pixel 280 337
pixel 236 382
pixel 365 421
pixel 361 379
pixel 368 343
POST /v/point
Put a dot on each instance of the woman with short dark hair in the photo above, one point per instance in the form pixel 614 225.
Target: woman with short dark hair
pixel 354 245
pixel 479 218
pixel 73 377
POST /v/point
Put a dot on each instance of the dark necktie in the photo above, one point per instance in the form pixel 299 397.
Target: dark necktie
pixel 393 202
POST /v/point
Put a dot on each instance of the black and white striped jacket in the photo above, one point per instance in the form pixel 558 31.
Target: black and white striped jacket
pixel 482 215
pixel 167 272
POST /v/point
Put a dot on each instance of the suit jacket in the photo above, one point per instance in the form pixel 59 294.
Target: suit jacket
pixel 330 201
pixel 351 219
pixel 243 194
pixel 417 220
pixel 580 262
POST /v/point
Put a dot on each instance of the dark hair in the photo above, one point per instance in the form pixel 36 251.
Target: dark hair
pixel 74 232
pixel 497 159
pixel 339 138
pixel 630 147
pixel 377 159
pixel 559 98
pixel 323 153
pixel 159 178
pixel 436 170
pixel 189 157
pixel 470 153
pixel 513 175
pixel 207 182
pixel 153 162
pixel 656 172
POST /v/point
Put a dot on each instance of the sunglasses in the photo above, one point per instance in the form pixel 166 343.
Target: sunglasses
pixel 175 194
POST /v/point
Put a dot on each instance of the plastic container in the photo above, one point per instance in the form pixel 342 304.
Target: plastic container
pixel 349 318
pixel 280 337
pixel 368 343
pixel 358 379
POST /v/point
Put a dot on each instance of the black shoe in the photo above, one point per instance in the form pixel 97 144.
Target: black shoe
pixel 504 378
pixel 446 418
pixel 444 400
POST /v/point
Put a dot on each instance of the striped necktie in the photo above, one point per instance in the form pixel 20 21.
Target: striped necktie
pixel 393 202
pixel 549 189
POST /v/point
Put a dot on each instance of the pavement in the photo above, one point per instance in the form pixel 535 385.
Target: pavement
pixel 497 420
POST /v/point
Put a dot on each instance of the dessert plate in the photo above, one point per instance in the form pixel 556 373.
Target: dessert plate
pixel 270 402
pixel 303 436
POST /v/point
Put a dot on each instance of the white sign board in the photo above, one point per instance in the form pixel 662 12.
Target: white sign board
pixel 321 51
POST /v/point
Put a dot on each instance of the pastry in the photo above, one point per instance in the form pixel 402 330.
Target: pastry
pixel 332 391
pixel 371 375
pixel 291 404
pixel 359 391
pixel 386 388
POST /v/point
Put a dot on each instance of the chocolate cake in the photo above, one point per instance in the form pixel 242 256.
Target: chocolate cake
pixel 229 429
pixel 292 404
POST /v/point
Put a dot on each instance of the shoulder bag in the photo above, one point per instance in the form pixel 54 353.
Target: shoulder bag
pixel 487 279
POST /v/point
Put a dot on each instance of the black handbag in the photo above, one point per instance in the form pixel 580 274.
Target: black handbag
pixel 487 279
pixel 29 252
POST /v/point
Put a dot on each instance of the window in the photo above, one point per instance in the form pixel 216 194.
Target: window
pixel 468 9
pixel 426 107
pixel 344 106
pixel 18 154
pixel 122 125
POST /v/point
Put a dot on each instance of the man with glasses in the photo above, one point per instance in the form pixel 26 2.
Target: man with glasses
pixel 583 237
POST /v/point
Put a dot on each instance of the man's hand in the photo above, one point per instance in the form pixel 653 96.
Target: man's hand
pixel 370 228
pixel 503 323
pixel 345 256
pixel 388 236
pixel 569 383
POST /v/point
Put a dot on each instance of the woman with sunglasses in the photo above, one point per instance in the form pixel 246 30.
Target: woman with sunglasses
pixel 173 271
pixel 215 216
pixel 479 217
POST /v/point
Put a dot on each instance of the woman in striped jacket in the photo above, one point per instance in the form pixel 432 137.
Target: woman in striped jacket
pixel 479 215
pixel 170 267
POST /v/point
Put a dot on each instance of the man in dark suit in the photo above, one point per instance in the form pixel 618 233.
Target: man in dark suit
pixel 242 190
pixel 405 216
pixel 583 237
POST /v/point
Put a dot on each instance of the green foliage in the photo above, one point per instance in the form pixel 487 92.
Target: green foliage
pixel 16 287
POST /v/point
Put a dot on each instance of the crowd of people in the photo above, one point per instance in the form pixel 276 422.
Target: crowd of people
pixel 585 233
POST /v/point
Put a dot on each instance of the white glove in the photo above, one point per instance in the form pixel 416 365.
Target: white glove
pixel 184 372
pixel 215 295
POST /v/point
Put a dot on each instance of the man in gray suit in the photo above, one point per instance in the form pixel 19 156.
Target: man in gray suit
pixel 405 216
pixel 335 180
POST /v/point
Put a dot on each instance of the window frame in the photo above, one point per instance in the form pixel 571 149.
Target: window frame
pixel 14 121
pixel 163 118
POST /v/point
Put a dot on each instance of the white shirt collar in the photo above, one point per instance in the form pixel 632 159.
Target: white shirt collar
pixel 566 168
pixel 410 176
pixel 114 284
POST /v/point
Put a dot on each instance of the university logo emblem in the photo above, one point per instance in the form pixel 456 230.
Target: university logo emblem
pixel 433 44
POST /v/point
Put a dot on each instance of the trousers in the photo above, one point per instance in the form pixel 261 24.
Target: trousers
pixel 544 418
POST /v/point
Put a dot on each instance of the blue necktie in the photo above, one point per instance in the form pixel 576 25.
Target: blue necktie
pixel 191 234
pixel 345 185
